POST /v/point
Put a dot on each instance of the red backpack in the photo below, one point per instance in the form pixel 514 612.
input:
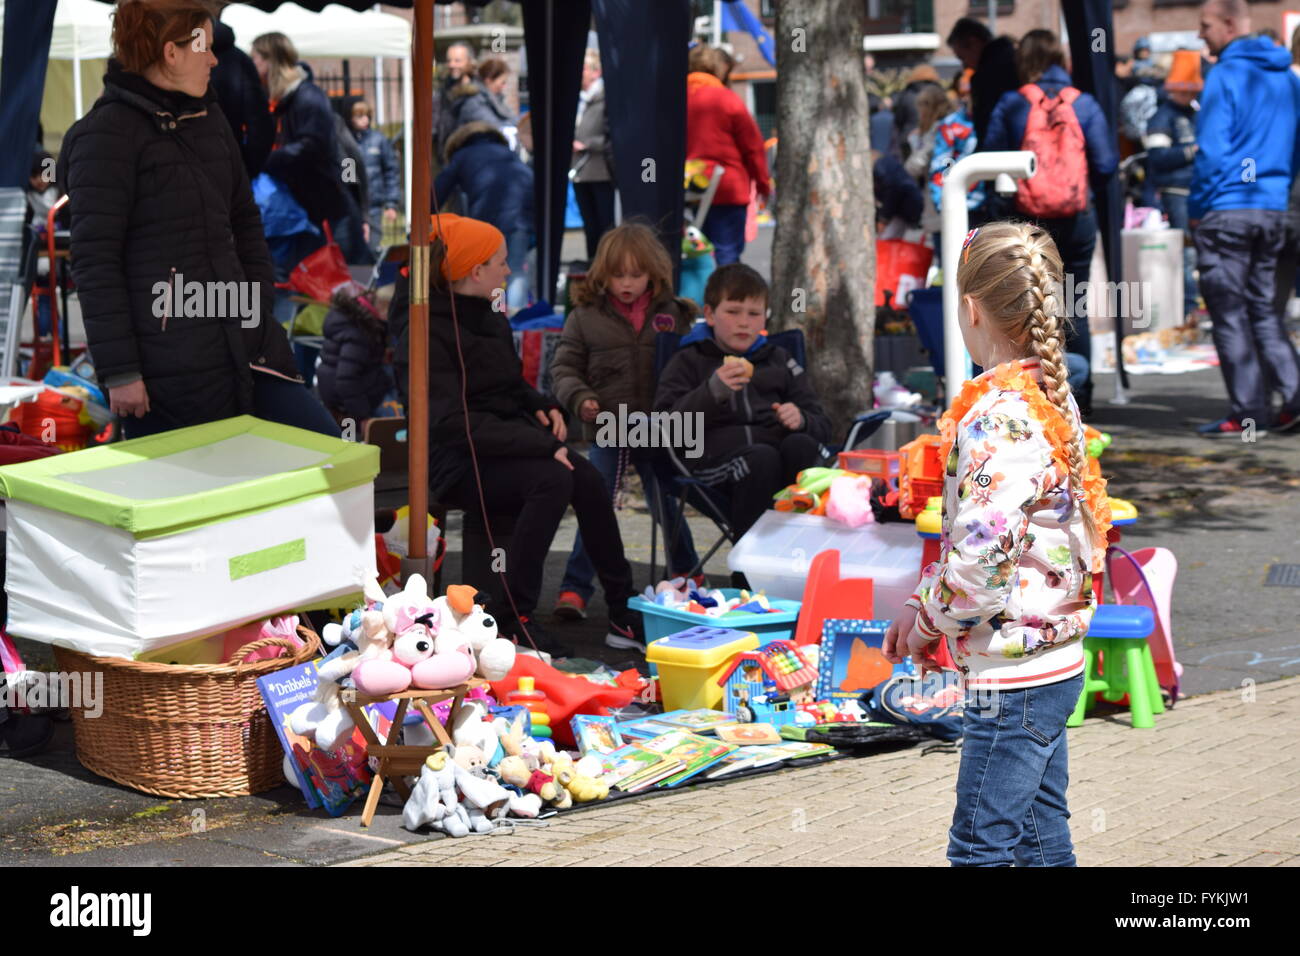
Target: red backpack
pixel 1059 188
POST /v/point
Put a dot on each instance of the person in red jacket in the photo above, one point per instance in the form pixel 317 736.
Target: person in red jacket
pixel 719 129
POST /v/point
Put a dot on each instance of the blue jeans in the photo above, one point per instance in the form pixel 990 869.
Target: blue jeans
pixel 1011 806
pixel 517 286
pixel 578 573
pixel 274 399
pixel 1175 207
pixel 725 227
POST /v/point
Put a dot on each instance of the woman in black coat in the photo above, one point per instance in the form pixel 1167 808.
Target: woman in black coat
pixel 172 270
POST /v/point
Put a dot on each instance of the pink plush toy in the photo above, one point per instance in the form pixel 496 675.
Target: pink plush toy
pixel 415 658
pixel 849 501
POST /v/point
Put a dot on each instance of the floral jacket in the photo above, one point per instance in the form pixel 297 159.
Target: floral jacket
pixel 1012 590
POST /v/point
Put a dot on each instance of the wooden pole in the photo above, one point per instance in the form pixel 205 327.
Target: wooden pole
pixel 417 416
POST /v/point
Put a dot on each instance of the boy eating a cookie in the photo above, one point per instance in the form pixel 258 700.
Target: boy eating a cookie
pixel 763 423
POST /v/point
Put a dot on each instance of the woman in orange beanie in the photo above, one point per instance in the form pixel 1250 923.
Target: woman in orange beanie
pixel 518 434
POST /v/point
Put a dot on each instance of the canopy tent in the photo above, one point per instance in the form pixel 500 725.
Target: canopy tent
pixel 82 31
pixel 333 31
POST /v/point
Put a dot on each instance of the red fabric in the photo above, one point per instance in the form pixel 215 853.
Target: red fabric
pixel 720 129
pixel 16 447
pixel 530 354
pixel 566 695
pixel 634 313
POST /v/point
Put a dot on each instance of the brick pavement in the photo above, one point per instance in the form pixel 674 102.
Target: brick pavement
pixel 1212 785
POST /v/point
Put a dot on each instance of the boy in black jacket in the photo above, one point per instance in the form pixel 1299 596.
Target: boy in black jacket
pixel 763 423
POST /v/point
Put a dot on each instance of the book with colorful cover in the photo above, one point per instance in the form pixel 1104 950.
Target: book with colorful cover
pixel 331 779
pixel 752 756
pixel 700 721
pixel 667 767
pixel 748 734
pixel 622 766
pixel 643 728
pixel 596 734
pixel 696 752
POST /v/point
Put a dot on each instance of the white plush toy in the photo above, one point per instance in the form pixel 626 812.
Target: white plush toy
pixel 434 801
pixel 463 619
pixel 324 718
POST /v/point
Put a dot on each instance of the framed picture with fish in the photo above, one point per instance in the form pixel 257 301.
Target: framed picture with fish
pixel 851 661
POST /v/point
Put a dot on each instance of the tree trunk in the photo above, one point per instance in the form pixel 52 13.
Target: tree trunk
pixel 823 254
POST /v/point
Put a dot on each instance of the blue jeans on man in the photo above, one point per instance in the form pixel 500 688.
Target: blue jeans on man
pixel 725 227
pixel 1011 802
pixel 579 572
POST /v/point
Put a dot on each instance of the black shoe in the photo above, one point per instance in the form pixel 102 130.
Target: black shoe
pixel 626 630
pixel 539 638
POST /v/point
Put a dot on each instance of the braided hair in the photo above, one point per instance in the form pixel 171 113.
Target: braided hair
pixel 1013 270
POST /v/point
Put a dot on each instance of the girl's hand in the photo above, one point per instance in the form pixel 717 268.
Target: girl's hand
pixel 789 415
pixel 588 410
pixel 922 652
pixel 562 456
pixel 130 399
pixel 895 645
pixel 553 420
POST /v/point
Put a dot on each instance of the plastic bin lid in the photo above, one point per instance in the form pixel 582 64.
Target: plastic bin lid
pixel 701 646
pixel 1122 621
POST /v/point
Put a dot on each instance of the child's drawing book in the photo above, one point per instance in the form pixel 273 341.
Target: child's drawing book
pixel 329 779
pixel 629 762
pixel 702 721
pixel 696 752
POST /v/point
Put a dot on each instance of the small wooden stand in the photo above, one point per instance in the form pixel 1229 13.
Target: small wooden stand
pixel 397 761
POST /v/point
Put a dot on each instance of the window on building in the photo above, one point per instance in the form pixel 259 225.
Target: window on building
pixel 980 8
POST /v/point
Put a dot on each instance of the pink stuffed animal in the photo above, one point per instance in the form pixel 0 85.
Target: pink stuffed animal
pixel 416 657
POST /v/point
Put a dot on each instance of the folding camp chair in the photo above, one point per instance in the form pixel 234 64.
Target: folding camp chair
pixel 674 478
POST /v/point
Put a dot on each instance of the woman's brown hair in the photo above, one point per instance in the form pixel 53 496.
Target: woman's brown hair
pixel 1013 270
pixel 1038 50
pixel 631 244
pixel 491 68
pixel 143 28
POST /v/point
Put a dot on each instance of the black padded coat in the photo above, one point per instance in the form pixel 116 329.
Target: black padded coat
pixel 159 195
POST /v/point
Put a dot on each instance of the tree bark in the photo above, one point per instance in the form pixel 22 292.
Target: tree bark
pixel 823 253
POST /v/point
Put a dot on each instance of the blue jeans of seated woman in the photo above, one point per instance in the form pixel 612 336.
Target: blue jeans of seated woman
pixel 579 572
pixel 1011 805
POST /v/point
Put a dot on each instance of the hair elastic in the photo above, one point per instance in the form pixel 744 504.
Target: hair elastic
pixel 965 257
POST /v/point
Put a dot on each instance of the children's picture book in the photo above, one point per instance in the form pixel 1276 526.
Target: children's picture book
pixel 743 759
pixel 329 779
pixel 748 734
pixel 696 752
pixel 595 734
pixel 797 749
pixel 652 777
pixel 851 661
pixel 629 762
pixel 702 721
pixel 642 728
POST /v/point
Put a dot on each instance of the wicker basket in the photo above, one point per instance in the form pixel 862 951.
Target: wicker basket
pixel 198 730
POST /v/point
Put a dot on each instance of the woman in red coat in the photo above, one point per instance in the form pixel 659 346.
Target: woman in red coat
pixel 720 129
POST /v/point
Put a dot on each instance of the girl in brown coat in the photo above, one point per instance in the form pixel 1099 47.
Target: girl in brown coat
pixel 603 371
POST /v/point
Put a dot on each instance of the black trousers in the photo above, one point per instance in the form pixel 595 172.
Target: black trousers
pixel 751 477
pixel 537 492
pixel 1076 238
pixel 596 203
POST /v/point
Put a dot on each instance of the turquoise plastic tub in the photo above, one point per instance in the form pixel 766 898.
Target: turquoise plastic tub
pixel 663 621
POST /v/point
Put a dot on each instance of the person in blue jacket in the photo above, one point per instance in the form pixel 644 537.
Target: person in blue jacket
pixel 1249 149
pixel 498 189
pixel 1170 144
pixel 1040 60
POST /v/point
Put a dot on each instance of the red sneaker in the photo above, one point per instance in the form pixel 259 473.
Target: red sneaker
pixel 1226 428
pixel 570 606
pixel 1286 422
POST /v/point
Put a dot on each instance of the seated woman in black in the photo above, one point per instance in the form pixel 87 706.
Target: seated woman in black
pixel 517 434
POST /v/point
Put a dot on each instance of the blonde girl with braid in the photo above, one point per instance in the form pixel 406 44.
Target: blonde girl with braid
pixel 1024 530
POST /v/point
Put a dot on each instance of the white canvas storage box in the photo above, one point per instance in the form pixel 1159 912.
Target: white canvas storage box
pixel 128 547
pixel 776 553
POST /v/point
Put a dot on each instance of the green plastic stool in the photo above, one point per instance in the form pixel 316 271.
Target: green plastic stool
pixel 1119 632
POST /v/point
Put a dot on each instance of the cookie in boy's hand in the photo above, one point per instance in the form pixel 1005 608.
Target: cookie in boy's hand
pixel 744 363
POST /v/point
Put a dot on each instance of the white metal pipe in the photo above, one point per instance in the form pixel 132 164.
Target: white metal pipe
pixel 1018 164
pixel 408 146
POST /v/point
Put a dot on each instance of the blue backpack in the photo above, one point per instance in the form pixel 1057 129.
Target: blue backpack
pixel 933 703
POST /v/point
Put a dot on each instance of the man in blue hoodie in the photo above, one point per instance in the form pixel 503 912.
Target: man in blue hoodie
pixel 1248 136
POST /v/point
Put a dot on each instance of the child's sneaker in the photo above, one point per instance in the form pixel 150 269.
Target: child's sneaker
pixel 626 631
pixel 570 606
pixel 1287 421
pixel 1226 428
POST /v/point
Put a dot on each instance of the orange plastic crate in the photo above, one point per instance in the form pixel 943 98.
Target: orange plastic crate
pixel 920 474
pixel 871 461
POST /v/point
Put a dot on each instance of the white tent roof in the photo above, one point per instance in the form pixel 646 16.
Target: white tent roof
pixel 334 32
pixel 82 30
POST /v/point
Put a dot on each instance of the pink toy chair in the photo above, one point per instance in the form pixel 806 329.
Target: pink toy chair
pixel 1146 577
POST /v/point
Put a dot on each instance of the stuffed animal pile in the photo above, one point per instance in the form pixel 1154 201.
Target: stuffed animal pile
pixel 682 595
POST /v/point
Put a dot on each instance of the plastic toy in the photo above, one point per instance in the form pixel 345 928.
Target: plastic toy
pixel 529 696
pixel 920 475
pixel 881 465
pixel 827 595
pixel 691 661
pixel 808 493
pixel 758 686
